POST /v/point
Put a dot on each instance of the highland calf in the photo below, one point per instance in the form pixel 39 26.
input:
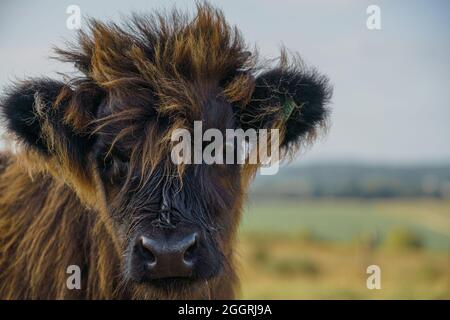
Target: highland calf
pixel 91 182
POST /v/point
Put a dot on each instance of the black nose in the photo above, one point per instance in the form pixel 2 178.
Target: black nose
pixel 168 258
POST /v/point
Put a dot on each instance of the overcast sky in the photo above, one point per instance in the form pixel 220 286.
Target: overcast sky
pixel 391 86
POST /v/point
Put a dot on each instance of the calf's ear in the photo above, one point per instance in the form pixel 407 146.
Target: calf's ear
pixel 289 97
pixel 52 118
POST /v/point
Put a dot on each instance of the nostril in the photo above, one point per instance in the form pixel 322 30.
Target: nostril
pixel 191 250
pixel 145 249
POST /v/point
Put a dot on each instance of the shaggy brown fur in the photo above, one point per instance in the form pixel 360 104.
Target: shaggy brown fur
pixel 86 145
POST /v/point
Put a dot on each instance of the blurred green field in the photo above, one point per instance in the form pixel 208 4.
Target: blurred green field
pixel 320 249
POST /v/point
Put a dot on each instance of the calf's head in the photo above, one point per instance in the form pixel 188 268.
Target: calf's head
pixel 108 134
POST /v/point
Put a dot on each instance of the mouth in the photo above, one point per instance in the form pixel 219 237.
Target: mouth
pixel 174 283
pixel 198 287
pixel 173 288
pixel 196 282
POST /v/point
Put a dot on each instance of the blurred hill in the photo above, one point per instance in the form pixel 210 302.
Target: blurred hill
pixel 354 181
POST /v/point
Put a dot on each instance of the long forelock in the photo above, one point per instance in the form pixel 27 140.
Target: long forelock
pixel 171 53
pixel 164 63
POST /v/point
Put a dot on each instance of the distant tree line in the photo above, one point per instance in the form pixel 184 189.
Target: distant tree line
pixel 355 181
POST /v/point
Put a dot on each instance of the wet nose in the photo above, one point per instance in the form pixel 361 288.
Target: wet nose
pixel 173 258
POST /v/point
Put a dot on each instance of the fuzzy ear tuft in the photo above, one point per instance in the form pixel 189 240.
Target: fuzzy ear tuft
pixel 47 116
pixel 21 108
pixel 292 98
